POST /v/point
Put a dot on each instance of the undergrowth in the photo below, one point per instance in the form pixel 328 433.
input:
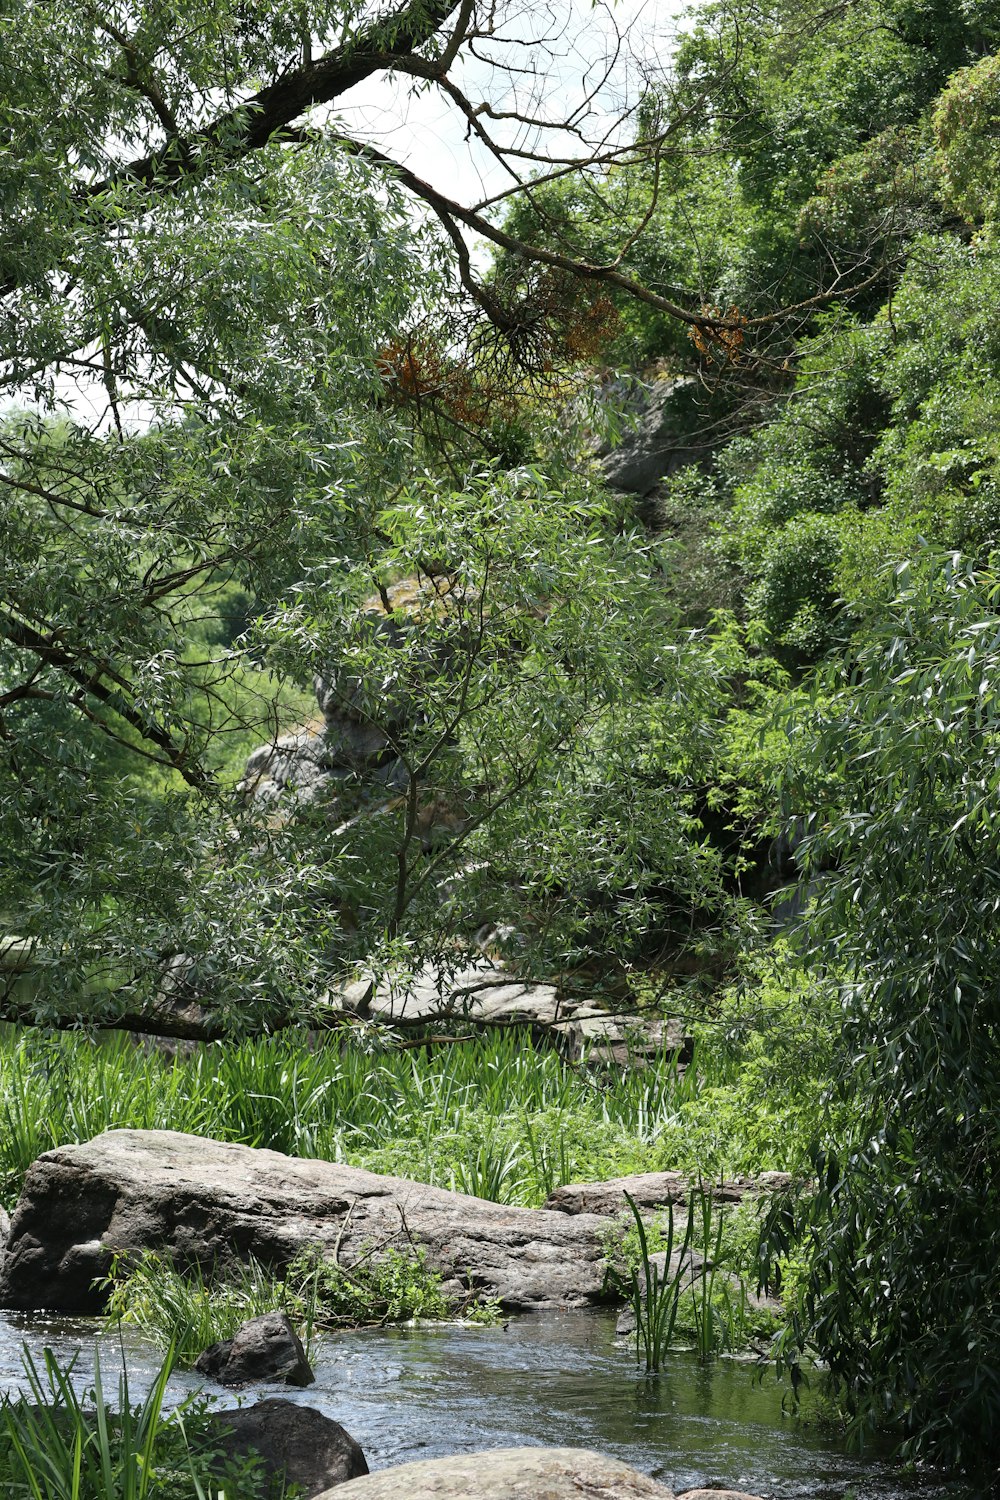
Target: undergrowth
pixel 187 1311
pixel 57 1443
pixel 498 1117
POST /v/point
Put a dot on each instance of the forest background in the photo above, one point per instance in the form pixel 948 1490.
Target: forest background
pixel 308 390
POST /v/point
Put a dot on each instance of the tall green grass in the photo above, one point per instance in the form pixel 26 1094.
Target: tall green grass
pixel 694 1294
pixel 499 1117
pixel 186 1310
pixel 56 1444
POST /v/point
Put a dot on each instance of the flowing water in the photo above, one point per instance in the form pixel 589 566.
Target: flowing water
pixel 553 1378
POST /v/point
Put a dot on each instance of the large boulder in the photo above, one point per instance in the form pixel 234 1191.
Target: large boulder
pixel 262 1349
pixel 205 1203
pixel 301 1444
pixel 507 1474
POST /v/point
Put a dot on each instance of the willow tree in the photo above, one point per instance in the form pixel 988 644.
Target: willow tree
pixel 215 303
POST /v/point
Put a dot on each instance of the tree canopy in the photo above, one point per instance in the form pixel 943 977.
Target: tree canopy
pixel 301 456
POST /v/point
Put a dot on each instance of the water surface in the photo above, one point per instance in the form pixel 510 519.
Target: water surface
pixel 556 1378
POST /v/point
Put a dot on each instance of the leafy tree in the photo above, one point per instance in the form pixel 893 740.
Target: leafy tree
pixel 254 311
pixel 897 792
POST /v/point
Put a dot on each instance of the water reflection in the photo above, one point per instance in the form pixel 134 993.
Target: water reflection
pixel 553 1378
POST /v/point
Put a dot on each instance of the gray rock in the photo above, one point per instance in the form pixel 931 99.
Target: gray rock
pixel 655 448
pixel 652 1190
pixel 485 994
pixel 309 1449
pixel 717 1495
pixel 4 1230
pixel 507 1474
pixel 357 732
pixel 262 1349
pixel 207 1203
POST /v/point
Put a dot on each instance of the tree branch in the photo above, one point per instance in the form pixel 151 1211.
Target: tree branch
pixel 25 638
pixel 251 125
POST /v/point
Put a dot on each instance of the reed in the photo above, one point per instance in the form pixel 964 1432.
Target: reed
pixel 499 1116
pixel 58 1445
pixel 655 1295
pixel 696 1296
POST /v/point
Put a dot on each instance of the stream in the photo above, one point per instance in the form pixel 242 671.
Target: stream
pixel 550 1378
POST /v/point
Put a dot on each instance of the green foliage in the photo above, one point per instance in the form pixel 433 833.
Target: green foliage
pixel 794 596
pixel 184 1312
pixel 966 118
pixel 901 1294
pixel 385 1285
pixel 499 1105
pixel 58 1445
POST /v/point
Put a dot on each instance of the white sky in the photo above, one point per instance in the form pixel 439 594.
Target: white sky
pixel 425 132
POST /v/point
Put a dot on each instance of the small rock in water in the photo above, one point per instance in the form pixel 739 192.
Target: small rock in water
pixel 263 1349
pixel 296 1442
pixel 507 1474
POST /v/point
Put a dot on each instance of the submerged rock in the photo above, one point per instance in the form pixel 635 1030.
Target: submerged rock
pixel 207 1203
pixel 301 1444
pixel 262 1349
pixel 507 1474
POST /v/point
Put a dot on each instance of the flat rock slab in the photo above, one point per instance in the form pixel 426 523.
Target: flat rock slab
pixel 652 1190
pixel 484 994
pixel 207 1203
pixel 507 1474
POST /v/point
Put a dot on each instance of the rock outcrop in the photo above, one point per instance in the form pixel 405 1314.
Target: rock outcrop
pixel 507 1474
pixel 484 994
pixel 653 1190
pixel 656 446
pixel 205 1202
pixel 262 1350
pixel 355 735
pixel 296 1442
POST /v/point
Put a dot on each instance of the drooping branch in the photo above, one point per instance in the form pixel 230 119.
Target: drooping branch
pixel 609 273
pixel 93 682
pixel 271 113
